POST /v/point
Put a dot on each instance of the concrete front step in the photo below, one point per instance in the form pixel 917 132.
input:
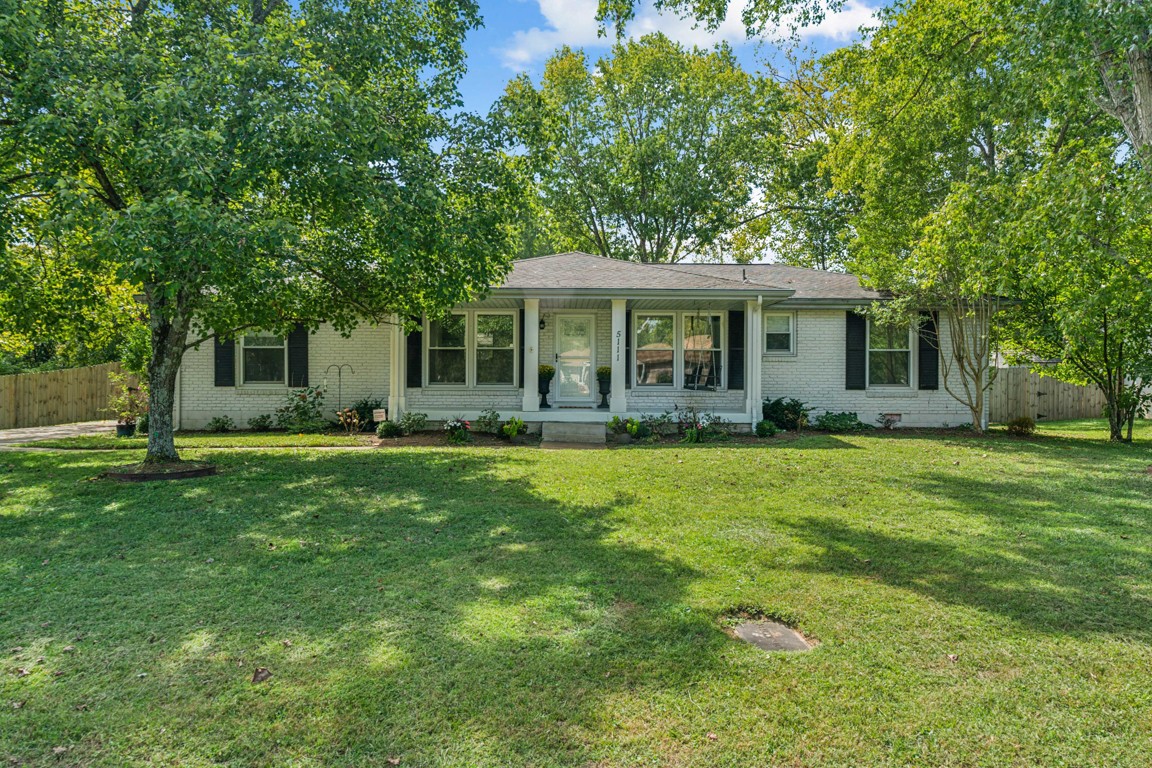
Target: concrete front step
pixel 572 432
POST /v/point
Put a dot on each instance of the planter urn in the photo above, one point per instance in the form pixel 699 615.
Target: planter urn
pixel 605 390
pixel 544 388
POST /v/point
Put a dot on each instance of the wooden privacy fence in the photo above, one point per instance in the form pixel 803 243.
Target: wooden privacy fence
pixel 1020 392
pixel 56 397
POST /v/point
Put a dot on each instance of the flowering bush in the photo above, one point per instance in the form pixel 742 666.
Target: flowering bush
pixel 456 430
pixel 349 420
pixel 302 411
pixel 489 421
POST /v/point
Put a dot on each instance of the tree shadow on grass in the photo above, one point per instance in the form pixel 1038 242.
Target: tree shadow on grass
pixel 434 606
pixel 1056 554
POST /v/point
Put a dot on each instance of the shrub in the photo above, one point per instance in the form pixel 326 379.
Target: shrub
pixel 261 423
pixel 664 424
pixel 349 420
pixel 766 428
pixel 220 424
pixel 618 425
pixel 791 414
pixel 387 429
pixel 457 430
pixel 303 411
pixel 364 408
pixel 638 429
pixel 412 422
pixel 846 421
pixel 513 427
pixel 1022 426
pixel 142 425
pixel 488 422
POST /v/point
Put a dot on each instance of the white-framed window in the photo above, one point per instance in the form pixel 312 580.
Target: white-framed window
pixel 678 349
pixel 495 348
pixel 779 333
pixel 448 349
pixel 472 348
pixel 655 349
pixel 702 351
pixel 889 355
pixel 263 359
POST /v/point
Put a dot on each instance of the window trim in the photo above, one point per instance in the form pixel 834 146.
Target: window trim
pixel 242 379
pixel 470 347
pixel 911 350
pixel 678 325
pixel 791 351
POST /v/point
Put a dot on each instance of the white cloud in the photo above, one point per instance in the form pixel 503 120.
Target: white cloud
pixel 573 23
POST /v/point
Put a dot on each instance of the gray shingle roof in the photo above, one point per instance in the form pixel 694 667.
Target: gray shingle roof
pixel 584 272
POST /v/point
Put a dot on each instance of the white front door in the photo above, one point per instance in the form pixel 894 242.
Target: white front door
pixel 575 376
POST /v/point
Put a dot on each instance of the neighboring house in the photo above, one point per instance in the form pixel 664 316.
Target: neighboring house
pixel 721 338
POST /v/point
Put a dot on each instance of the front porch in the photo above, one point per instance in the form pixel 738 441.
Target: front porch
pixel 664 354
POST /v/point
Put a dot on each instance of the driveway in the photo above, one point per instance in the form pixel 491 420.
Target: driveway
pixel 11 437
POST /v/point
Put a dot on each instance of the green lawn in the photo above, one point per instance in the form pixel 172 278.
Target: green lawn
pixel 210 440
pixel 977 602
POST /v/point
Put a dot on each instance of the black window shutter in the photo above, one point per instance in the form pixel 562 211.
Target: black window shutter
pixel 298 357
pixel 736 349
pixel 628 366
pixel 929 352
pixel 521 349
pixel 855 351
pixel 415 359
pixel 225 363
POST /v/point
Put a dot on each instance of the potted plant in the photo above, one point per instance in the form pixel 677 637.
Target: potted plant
pixel 547 373
pixel 514 430
pixel 604 379
pixel 128 404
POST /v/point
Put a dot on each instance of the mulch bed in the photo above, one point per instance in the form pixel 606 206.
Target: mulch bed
pixel 176 470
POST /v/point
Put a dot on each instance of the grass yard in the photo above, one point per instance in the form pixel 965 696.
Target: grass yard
pixel 978 602
pixel 210 440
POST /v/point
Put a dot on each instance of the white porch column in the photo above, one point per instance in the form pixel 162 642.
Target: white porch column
pixel 396 373
pixel 618 401
pixel 754 360
pixel 531 331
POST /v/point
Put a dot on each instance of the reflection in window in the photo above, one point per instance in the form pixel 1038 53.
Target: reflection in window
pixel 495 349
pixel 264 359
pixel 447 350
pixel 702 351
pixel 889 355
pixel 655 349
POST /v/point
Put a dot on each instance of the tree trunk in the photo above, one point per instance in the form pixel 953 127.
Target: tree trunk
pixel 169 335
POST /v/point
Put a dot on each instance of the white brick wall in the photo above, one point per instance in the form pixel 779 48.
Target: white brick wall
pixel 366 351
pixel 816 376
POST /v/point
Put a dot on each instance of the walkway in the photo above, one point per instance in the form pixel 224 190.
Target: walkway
pixel 10 437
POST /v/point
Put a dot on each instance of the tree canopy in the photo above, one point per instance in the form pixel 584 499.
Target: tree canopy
pixel 652 153
pixel 254 164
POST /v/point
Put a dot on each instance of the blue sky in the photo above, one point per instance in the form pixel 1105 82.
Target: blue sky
pixel 518 36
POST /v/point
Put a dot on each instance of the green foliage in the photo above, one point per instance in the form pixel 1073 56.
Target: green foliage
pixel 488 422
pixel 389 429
pixel 142 425
pixel 302 411
pixel 621 426
pixel 650 154
pixel 364 408
pixel 129 401
pixel 458 431
pixel 700 427
pixel 254 164
pixel 220 424
pixel 790 415
pixel 1022 426
pixel 604 373
pixel 547 372
pixel 513 427
pixel 412 422
pixel 766 428
pixel 845 421
pixel 261 423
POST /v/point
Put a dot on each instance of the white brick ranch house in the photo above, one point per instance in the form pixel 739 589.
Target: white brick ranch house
pixel 721 338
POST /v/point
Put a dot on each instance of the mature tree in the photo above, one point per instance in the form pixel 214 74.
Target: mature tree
pixel 936 135
pixel 254 164
pixel 1086 293
pixel 650 155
